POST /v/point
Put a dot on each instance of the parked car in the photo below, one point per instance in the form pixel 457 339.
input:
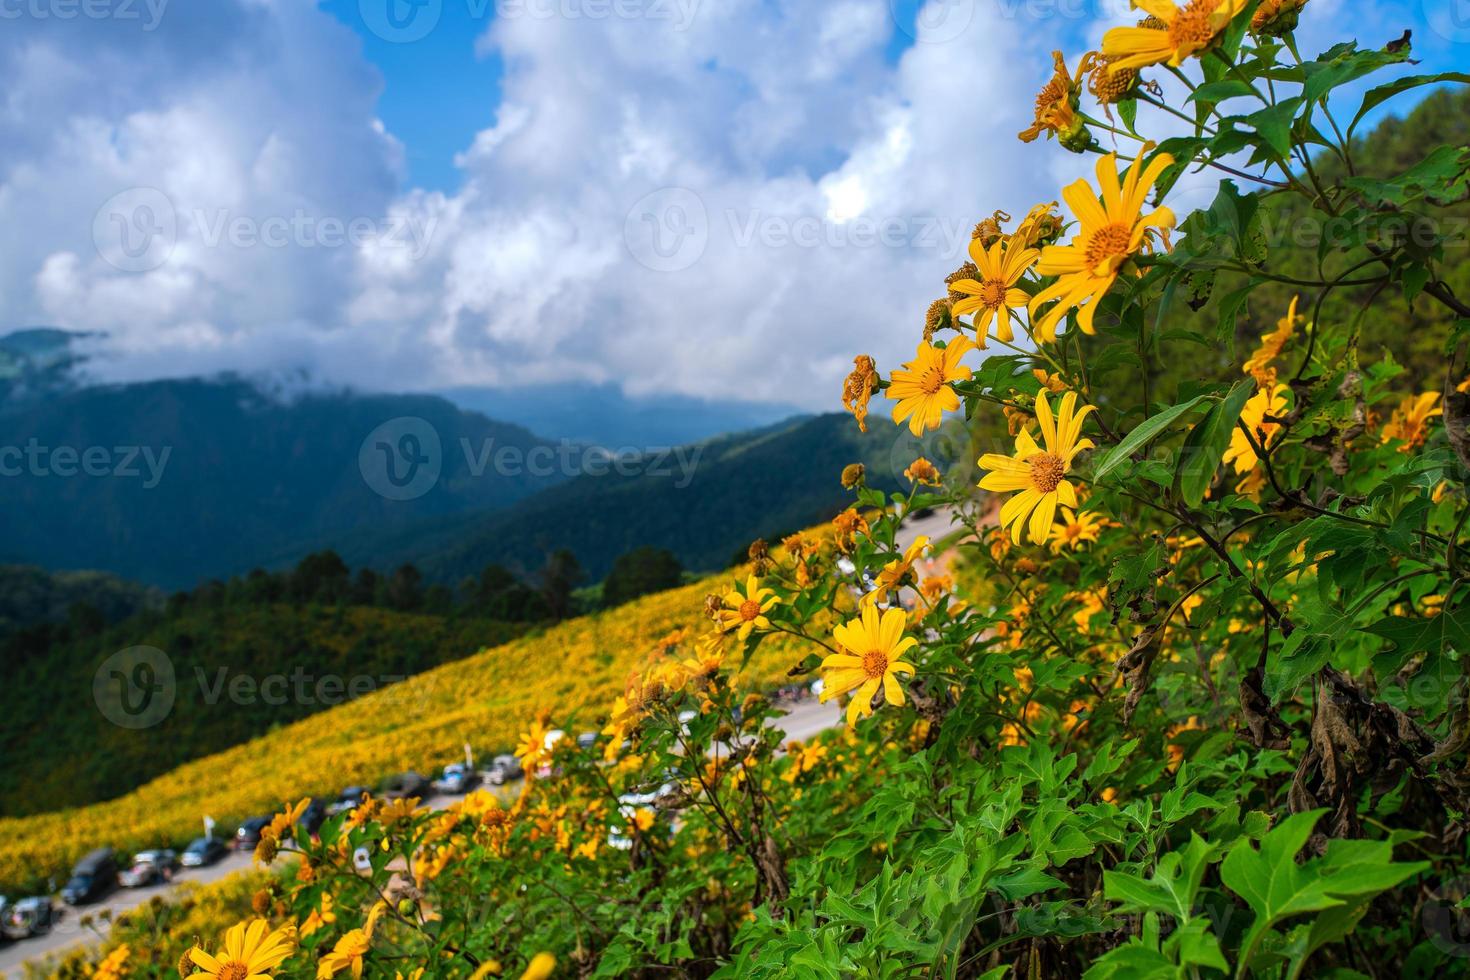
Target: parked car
pixel 203 852
pixel 349 799
pixel 457 778
pixel 93 877
pixel 314 816
pixel 586 740
pixel 150 868
pixel 504 769
pixel 28 917
pixel 406 785
pixel 248 834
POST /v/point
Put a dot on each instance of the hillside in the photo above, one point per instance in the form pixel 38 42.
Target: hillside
pixel 30 596
pixel 735 489
pixel 574 669
pixel 200 478
pixel 65 746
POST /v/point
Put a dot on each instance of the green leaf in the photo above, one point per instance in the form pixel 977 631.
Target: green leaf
pixel 1206 443
pixel 1277 888
pixel 1274 124
pixel 1383 93
pixel 1143 434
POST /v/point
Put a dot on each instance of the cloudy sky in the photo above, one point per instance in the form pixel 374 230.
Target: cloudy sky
pixel 726 198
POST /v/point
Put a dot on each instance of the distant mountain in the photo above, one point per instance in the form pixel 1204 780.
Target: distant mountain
pixel 171 482
pixel 602 415
pixel 37 363
pixel 703 503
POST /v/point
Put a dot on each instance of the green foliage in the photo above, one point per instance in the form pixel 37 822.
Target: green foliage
pixel 641 572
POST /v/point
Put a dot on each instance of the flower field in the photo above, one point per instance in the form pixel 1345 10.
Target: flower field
pixel 574 669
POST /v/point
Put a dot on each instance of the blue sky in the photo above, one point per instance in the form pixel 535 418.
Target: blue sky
pixel 716 198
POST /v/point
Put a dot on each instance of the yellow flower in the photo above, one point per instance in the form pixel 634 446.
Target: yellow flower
pixel 876 642
pixel 542 966
pixel 893 574
pixel 859 388
pixel 1277 17
pixel 846 526
pixel 1185 32
pixel 350 949
pixel 1464 387
pixel 532 750
pixel 1041 226
pixel 112 966
pixel 1074 530
pixel 1410 421
pixel 283 825
pixel 1111 233
pixel 922 471
pixel 1267 401
pixel 251 952
pixel 1258 365
pixel 319 917
pixel 993 293
pixel 1039 474
pixel 1056 109
pixel 923 390
pixel 746 612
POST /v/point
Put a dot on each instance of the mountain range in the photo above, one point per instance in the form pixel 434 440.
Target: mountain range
pixel 173 482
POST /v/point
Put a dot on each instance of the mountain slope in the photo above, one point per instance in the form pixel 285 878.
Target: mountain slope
pixel 172 482
pixel 575 668
pixel 704 504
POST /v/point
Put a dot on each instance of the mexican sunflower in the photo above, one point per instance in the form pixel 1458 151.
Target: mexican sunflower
pixel 350 950
pixel 1268 401
pixel 1074 529
pixel 1040 475
pixel 746 612
pixel 993 293
pixel 1272 344
pixel 872 647
pixel 1184 32
pixel 1112 232
pixel 1410 421
pixel 251 952
pixel 922 387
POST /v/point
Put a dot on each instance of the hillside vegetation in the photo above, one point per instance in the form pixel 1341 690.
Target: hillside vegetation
pixel 738 488
pixel 575 669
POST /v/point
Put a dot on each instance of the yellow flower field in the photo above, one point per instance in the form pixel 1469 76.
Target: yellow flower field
pixel 575 670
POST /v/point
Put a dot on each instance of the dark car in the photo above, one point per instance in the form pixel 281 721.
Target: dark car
pixel 150 868
pixel 349 800
pixel 28 917
pixel 458 778
pixel 406 785
pixel 505 769
pixel 93 877
pixel 314 816
pixel 204 852
pixel 249 833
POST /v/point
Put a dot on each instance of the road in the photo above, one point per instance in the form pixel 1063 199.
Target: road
pixel 802 722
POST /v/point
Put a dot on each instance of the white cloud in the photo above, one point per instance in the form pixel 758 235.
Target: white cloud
pixel 837 188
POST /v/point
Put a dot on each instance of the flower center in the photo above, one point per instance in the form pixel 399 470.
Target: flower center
pixel 875 663
pixel 932 380
pixel 234 971
pixel 1194 26
pixel 749 610
pixel 1047 471
pixel 1113 242
pixel 993 293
